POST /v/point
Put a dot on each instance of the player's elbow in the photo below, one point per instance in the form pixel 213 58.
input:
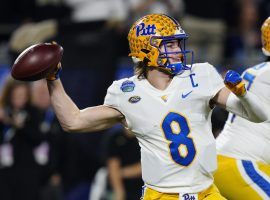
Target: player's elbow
pixel 69 128
pixel 71 124
pixel 77 127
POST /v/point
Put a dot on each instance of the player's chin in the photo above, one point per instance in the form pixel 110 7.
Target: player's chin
pixel 165 71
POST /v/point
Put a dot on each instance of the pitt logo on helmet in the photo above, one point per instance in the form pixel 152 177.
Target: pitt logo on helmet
pixel 148 30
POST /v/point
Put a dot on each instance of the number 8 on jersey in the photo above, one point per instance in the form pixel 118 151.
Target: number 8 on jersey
pixel 176 130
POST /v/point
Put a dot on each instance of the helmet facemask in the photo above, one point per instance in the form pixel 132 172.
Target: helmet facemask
pixel 165 56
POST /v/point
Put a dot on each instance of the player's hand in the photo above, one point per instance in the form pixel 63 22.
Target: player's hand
pixel 55 74
pixel 234 82
pixel 119 195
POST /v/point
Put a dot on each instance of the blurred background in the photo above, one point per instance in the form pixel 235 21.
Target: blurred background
pixel 38 161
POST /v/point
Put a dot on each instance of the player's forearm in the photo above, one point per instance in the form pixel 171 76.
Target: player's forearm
pixel 132 171
pixel 242 102
pixel 249 107
pixel 115 176
pixel 72 119
pixel 65 109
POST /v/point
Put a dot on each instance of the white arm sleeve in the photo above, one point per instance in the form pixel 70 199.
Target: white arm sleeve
pixel 249 107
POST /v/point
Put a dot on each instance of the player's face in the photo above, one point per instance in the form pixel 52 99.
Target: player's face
pixel 19 97
pixel 171 47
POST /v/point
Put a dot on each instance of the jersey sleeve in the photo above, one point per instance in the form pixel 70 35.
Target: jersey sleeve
pixel 215 80
pixel 112 96
pixel 257 81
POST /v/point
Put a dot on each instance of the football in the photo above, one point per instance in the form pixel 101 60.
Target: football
pixel 36 62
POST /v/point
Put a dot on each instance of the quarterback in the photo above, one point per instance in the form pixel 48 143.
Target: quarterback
pixel 244 147
pixel 167 104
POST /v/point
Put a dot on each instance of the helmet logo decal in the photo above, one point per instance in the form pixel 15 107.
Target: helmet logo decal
pixel 141 29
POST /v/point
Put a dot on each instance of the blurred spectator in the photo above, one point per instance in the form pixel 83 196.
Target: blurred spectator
pixel 32 33
pixel 66 160
pixel 49 153
pixel 19 172
pixel 95 27
pixel 243 42
pixel 139 8
pixel 207 22
pixel 124 171
pixel 92 10
pixel 136 9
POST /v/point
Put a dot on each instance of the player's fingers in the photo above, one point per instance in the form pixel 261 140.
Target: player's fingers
pixel 59 65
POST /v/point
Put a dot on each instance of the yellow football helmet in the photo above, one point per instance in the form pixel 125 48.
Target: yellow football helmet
pixel 265 30
pixel 151 31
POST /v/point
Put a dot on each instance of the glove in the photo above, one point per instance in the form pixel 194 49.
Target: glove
pixel 235 83
pixel 55 74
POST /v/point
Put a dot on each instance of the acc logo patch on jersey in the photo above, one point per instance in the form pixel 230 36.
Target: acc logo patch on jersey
pixel 134 99
pixel 127 86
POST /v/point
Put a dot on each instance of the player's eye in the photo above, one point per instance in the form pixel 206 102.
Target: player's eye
pixel 172 45
pixel 169 45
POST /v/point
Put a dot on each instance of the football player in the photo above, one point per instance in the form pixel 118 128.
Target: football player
pixel 244 147
pixel 167 104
